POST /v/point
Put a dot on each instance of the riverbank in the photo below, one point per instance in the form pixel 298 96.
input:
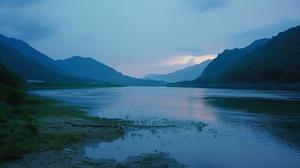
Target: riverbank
pixel 53 135
pixel 241 86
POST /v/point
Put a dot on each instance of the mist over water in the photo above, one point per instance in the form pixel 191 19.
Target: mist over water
pixel 245 128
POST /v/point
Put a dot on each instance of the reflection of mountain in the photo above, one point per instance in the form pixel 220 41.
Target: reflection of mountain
pixel 280 118
pixel 189 73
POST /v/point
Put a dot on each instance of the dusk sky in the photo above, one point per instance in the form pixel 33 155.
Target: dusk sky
pixel 137 37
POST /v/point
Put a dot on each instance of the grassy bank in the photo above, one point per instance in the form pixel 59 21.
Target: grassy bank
pixel 68 86
pixel 42 133
pixel 40 124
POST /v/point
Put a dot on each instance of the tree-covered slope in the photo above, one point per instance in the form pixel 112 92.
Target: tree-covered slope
pixel 213 72
pixel 11 88
pixel 7 78
pixel 278 61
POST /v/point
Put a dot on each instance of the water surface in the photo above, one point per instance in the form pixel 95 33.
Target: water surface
pixel 245 128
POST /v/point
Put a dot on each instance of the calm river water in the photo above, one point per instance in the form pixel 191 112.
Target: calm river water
pixel 245 128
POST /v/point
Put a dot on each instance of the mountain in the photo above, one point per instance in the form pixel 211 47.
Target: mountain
pixel 28 51
pixel 27 68
pixel 150 76
pixel 90 68
pixel 272 64
pixel 212 73
pixel 189 73
pixel 278 61
pixel 36 65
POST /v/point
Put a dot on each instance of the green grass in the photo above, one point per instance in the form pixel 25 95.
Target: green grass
pixel 16 138
pixel 19 127
pixel 50 107
pixel 67 86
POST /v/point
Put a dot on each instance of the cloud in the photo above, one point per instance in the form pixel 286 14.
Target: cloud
pixel 25 27
pixel 203 5
pixel 18 3
pixel 247 37
pixel 21 23
pixel 186 60
pixel 188 50
pixel 171 64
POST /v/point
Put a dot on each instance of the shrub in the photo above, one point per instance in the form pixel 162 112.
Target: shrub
pixel 3 117
pixel 14 97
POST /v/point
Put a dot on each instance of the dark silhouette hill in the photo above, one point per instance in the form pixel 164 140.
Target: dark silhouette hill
pixel 29 69
pixel 186 74
pixel 27 51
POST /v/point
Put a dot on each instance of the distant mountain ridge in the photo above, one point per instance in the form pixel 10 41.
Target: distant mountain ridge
pixel 189 73
pixel 90 68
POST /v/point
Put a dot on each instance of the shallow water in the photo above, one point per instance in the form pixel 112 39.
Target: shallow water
pixel 245 128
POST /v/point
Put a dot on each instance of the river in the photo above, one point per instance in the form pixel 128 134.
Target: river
pixel 245 128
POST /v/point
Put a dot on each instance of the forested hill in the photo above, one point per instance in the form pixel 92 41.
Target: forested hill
pixel 278 61
pixel 213 72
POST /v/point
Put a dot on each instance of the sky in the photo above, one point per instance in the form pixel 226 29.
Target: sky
pixel 138 37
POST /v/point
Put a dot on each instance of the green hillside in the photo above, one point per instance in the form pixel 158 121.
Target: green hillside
pixel 213 72
pixel 278 61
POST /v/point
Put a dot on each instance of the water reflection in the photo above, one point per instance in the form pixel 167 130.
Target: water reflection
pixel 281 107
pixel 180 143
pixel 278 117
